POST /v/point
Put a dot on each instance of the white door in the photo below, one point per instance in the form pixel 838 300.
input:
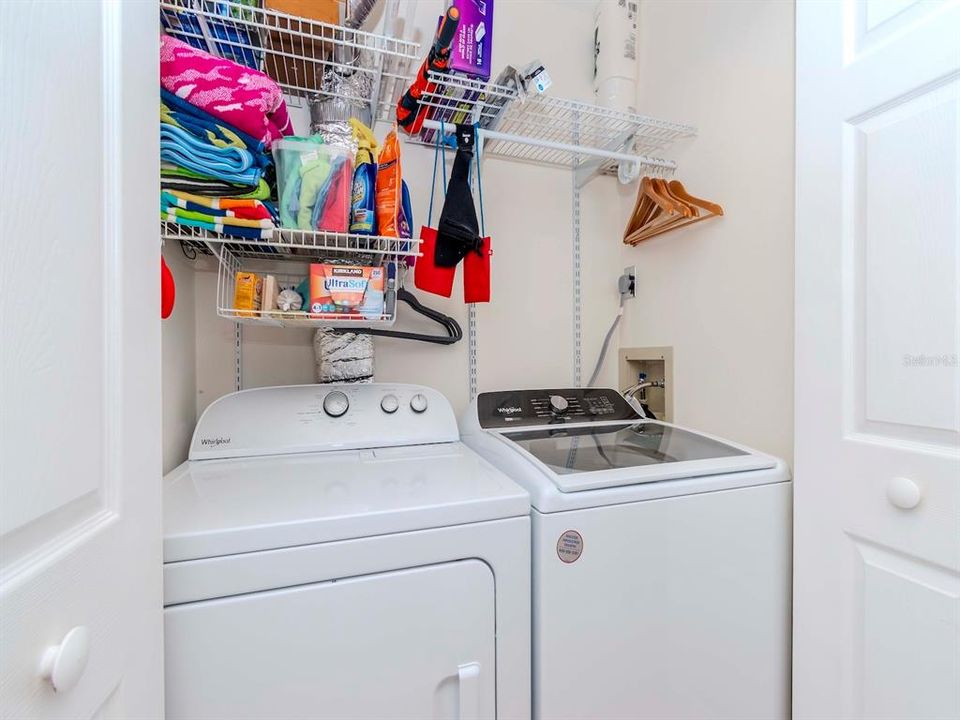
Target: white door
pixel 877 494
pixel 80 538
pixel 405 645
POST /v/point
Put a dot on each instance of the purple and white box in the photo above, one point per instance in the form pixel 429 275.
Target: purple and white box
pixel 470 52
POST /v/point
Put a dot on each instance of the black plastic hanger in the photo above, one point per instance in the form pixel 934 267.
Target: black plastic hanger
pixel 454 332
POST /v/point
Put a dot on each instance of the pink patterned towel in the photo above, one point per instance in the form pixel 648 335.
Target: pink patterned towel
pixel 247 99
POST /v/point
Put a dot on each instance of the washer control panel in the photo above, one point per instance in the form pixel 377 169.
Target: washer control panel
pixel 515 408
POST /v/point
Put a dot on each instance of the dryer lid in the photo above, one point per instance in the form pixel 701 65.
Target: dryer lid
pixel 224 507
pixel 609 455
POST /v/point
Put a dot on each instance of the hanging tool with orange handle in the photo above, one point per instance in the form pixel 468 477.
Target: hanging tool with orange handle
pixel 410 114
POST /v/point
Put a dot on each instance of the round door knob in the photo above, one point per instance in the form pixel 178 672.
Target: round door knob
pixel 63 665
pixel 418 403
pixel 903 492
pixel 558 404
pixel 389 404
pixel 335 403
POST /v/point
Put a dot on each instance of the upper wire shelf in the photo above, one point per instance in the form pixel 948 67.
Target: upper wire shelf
pixel 315 60
pixel 550 130
pixel 307 58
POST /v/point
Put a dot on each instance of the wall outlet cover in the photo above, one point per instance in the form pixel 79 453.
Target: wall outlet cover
pixel 631 271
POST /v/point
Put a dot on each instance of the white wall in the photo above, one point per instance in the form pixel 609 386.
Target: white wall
pixel 525 333
pixel 721 291
pixel 179 348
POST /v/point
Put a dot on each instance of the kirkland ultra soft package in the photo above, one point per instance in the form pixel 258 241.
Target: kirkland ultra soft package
pixel 353 290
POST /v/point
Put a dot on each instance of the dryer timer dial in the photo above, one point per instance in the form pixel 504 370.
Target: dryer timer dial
pixel 336 403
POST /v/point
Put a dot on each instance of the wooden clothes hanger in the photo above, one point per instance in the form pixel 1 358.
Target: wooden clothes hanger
pixel 663 223
pixel 697 204
pixel 646 205
pixel 679 212
pixel 655 206
pixel 650 203
pixel 662 206
pixel 677 188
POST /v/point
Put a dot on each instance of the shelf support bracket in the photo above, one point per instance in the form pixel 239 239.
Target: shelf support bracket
pixel 575 250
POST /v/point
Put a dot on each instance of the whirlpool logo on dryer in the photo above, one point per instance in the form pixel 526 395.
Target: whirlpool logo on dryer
pixel 511 410
pixel 215 441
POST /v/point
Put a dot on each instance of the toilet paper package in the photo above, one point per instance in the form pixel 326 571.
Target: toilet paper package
pixel 349 290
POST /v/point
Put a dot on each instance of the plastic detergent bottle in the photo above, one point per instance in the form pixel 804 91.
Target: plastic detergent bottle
pixel 363 208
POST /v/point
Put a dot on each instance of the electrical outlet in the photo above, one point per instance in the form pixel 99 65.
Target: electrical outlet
pixel 631 272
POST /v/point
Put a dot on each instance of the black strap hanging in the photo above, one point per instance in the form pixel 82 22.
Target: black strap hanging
pixel 458 231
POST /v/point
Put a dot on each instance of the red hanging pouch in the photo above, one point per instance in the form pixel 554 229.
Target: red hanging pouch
pixel 427 276
pixel 476 274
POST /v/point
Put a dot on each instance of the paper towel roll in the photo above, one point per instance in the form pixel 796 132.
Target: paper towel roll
pixel 615 53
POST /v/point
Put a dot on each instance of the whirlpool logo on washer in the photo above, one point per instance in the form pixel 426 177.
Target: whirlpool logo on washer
pixel 511 410
pixel 215 441
pixel 570 546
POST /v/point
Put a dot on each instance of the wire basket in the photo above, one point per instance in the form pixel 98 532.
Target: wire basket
pixel 305 57
pixel 230 265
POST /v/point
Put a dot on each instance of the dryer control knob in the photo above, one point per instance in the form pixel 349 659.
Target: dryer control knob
pixel 336 403
pixel 558 404
pixel 389 404
pixel 418 403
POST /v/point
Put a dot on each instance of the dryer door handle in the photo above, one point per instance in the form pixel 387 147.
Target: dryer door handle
pixel 468 676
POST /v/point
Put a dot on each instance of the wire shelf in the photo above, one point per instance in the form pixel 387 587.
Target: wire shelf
pixel 230 264
pixel 298 245
pixel 549 130
pixel 307 58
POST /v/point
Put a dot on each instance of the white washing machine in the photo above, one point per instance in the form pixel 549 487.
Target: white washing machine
pixel 336 552
pixel 661 559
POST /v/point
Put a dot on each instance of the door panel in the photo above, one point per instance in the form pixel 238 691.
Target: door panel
pixel 42 435
pixel 909 631
pixel 79 359
pixel 876 21
pixel 903 293
pixel 877 477
pixel 405 645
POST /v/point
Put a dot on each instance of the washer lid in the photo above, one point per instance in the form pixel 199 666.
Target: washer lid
pixel 590 457
pixel 223 507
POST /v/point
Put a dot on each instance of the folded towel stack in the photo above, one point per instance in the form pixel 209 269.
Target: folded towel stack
pixel 217 122
pixel 246 99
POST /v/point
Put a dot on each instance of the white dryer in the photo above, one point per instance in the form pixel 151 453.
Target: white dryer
pixel 661 559
pixel 336 552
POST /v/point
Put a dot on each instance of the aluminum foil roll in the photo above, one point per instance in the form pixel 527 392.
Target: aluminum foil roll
pixel 343 357
pixel 337 133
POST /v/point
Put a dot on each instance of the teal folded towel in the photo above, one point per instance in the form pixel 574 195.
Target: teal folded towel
pixel 232 164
